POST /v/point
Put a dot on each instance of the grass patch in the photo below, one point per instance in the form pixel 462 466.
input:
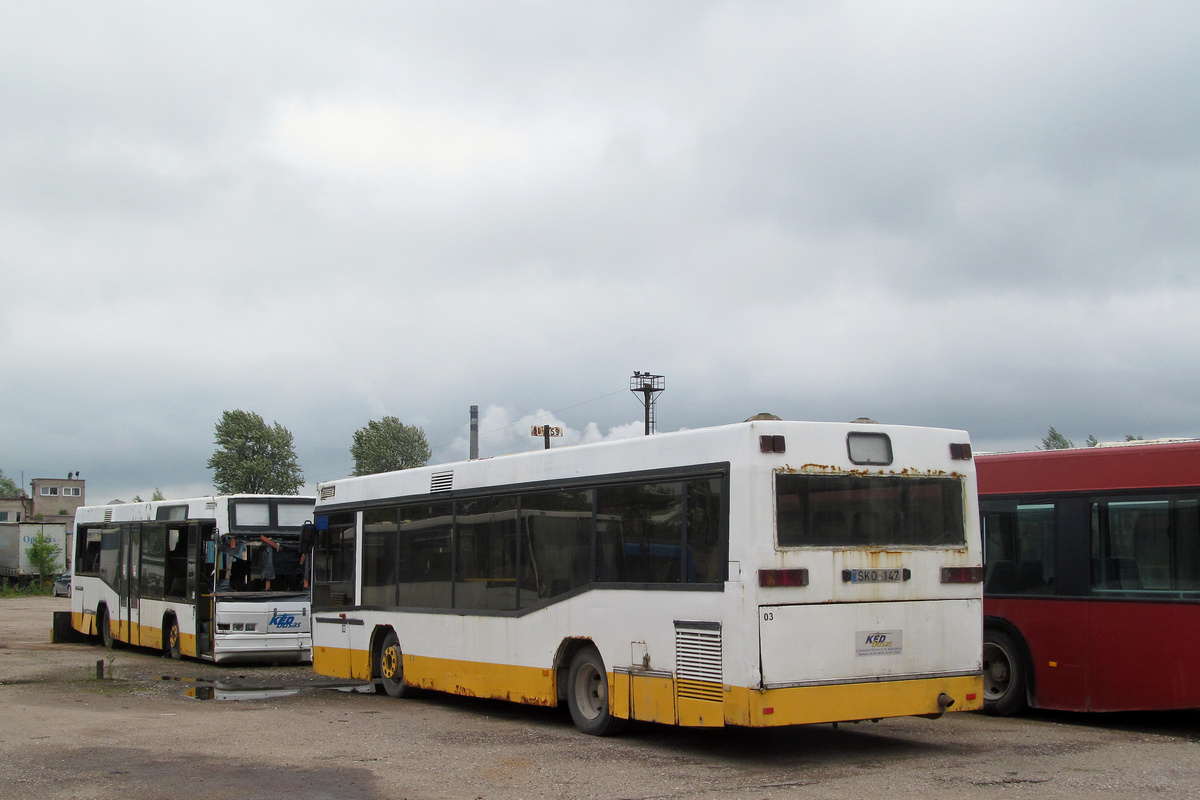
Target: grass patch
pixel 25 589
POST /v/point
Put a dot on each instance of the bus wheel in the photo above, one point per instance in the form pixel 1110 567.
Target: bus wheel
pixel 587 695
pixel 391 666
pixel 171 645
pixel 1004 675
pixel 102 625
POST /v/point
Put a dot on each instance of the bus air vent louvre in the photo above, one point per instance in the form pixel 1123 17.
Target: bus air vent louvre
pixel 328 491
pixel 441 481
pixel 108 515
pixel 698 664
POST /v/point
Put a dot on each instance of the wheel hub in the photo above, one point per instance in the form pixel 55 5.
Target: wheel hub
pixel 588 692
pixel 390 665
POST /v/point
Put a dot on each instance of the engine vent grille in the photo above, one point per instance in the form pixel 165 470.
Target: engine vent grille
pixel 698 662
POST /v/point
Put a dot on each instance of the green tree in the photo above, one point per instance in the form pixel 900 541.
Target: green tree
pixel 388 444
pixel 1056 441
pixel 158 495
pixel 1129 437
pixel 253 457
pixel 1092 441
pixel 43 555
pixel 8 487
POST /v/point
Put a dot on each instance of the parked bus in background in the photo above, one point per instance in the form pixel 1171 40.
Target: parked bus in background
pixel 1092 592
pixel 759 574
pixel 216 578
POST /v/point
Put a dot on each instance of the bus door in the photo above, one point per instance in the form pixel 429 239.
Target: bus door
pixel 129 586
pixel 202 570
pixel 333 580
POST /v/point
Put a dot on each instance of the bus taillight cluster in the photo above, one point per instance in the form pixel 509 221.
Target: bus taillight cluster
pixel 962 574
pixel 783 577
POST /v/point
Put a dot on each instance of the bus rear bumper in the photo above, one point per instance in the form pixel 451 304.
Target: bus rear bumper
pixel 849 702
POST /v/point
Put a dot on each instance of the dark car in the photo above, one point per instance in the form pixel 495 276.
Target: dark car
pixel 62 586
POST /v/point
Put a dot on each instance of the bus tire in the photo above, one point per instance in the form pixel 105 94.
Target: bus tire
pixel 104 629
pixel 391 666
pixel 587 695
pixel 1005 675
pixel 171 644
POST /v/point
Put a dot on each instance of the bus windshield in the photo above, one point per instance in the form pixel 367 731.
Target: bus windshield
pixel 867 511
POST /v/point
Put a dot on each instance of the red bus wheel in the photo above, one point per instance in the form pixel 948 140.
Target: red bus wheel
pixel 1005 675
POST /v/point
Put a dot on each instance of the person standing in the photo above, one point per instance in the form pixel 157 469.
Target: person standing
pixel 308 535
pixel 265 561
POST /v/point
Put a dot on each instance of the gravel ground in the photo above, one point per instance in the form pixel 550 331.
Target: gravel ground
pixel 156 728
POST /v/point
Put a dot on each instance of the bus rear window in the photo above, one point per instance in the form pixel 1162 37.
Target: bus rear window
pixel 293 515
pixel 868 511
pixel 251 514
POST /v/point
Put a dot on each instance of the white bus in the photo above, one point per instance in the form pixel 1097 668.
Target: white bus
pixel 759 574
pixel 217 578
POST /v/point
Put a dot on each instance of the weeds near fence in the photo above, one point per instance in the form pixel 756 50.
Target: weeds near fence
pixel 32 588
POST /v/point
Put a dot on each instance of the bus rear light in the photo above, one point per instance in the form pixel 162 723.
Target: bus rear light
pixel 783 577
pixel 962 574
pixel 960 452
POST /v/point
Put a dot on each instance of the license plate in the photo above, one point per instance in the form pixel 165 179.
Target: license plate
pixel 875 575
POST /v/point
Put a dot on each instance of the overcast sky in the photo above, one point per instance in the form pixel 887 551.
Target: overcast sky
pixel 972 215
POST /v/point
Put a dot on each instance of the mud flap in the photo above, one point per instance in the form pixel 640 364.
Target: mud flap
pixel 63 632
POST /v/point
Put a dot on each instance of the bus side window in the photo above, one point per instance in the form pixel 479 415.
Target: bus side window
pixel 333 568
pixel 176 577
pixel 1146 544
pixel 1019 543
pixel 87 558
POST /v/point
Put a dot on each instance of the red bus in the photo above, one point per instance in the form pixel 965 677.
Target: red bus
pixel 1092 583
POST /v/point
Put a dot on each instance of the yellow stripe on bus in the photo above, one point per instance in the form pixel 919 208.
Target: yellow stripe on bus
pixel 341 662
pixel 150 636
pixel 531 685
pixel 806 705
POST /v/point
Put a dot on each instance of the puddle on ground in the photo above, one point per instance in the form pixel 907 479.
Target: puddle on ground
pixel 200 689
pixel 216 691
